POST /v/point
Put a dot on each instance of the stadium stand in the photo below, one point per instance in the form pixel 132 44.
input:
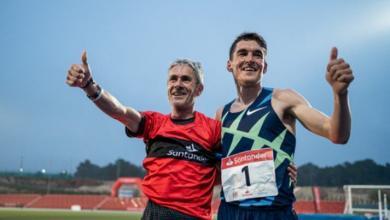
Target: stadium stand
pixel 58 201
pixel 304 207
pixel 98 202
pixel 328 207
pixel 17 200
pixel 106 202
pixel 62 201
pixel 113 203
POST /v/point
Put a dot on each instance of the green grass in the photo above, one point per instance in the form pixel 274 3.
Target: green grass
pixel 27 214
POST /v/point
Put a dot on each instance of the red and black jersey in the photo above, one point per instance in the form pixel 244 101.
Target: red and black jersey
pixel 180 162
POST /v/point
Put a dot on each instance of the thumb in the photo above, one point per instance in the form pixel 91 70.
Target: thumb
pixel 333 53
pixel 84 57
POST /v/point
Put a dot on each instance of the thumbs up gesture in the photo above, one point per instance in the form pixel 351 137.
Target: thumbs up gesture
pixel 79 74
pixel 339 74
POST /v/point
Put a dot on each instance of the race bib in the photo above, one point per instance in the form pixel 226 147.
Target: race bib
pixel 249 174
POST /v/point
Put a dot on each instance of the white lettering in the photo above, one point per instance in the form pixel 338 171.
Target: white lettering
pixel 186 155
pixel 250 157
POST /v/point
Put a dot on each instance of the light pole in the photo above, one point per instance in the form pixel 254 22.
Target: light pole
pixel 43 171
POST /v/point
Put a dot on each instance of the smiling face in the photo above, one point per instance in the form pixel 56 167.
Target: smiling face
pixel 247 63
pixel 182 87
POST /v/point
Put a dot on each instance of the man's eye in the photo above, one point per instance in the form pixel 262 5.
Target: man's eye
pixel 260 55
pixel 187 79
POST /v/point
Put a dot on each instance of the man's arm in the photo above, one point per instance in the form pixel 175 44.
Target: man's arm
pixel 218 114
pixel 337 127
pixel 79 75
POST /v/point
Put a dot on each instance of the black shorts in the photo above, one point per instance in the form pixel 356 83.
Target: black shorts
pixel 157 212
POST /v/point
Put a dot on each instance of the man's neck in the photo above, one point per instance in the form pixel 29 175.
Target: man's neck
pixel 182 113
pixel 248 94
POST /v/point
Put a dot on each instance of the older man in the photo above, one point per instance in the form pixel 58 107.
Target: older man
pixel 180 161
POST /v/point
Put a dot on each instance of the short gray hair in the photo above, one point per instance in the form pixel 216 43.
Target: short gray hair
pixel 195 66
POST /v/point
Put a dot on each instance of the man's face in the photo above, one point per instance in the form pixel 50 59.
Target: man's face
pixel 247 63
pixel 182 87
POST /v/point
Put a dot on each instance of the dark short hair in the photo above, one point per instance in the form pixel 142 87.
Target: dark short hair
pixel 248 36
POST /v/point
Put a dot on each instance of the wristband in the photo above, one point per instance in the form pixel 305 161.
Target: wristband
pixel 89 82
pixel 97 95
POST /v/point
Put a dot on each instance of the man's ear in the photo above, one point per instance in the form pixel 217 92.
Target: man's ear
pixel 198 90
pixel 265 67
pixel 229 66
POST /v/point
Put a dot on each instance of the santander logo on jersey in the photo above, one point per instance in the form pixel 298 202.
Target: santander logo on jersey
pixel 229 162
pixel 191 148
pixel 247 157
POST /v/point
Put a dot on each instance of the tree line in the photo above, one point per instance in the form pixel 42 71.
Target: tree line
pixel 112 171
pixel 361 172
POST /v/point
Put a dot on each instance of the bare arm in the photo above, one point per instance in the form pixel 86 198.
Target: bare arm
pixel 337 127
pixel 340 121
pixel 218 114
pixel 339 76
pixel 297 107
pixel 79 75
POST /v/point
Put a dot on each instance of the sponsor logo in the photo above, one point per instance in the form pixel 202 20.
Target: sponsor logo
pixel 251 157
pixel 249 112
pixel 246 157
pixel 229 162
pixel 186 155
pixel 191 148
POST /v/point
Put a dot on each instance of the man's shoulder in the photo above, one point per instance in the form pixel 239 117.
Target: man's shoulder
pixel 154 114
pixel 283 91
pixel 218 113
pixel 205 117
pixel 210 122
pixel 287 98
pixel 284 94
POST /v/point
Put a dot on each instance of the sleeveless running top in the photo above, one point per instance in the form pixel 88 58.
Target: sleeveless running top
pixel 258 127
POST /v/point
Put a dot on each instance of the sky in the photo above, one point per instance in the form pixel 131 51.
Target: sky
pixel 45 124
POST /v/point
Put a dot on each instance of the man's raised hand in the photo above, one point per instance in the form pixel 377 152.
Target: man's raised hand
pixel 79 74
pixel 339 74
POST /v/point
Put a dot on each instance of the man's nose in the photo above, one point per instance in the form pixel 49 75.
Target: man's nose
pixel 249 57
pixel 178 83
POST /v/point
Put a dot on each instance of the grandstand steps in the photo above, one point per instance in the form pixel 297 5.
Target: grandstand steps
pixel 66 201
pixel 16 200
pixel 100 204
pixel 29 204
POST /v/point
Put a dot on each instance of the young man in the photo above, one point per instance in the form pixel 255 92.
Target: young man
pixel 180 161
pixel 258 133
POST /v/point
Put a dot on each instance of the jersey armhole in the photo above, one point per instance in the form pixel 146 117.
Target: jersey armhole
pixel 140 131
